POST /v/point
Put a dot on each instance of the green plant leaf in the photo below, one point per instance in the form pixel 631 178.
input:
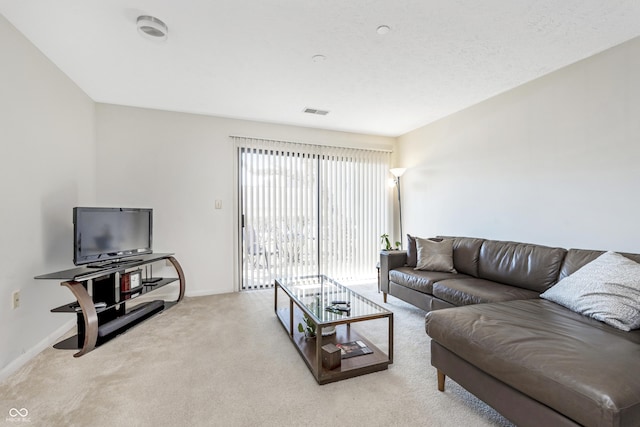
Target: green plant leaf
pixel 384 239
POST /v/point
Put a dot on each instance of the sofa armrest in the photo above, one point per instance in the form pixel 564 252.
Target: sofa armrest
pixel 388 261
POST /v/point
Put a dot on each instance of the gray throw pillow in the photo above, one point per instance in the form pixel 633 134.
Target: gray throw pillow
pixel 435 256
pixel 412 251
pixel 606 289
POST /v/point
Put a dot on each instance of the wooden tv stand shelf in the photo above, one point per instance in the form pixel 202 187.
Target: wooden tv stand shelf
pixel 97 325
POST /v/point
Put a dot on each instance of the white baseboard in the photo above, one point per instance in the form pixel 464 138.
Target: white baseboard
pixel 36 349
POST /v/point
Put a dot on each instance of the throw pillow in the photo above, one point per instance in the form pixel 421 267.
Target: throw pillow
pixel 412 251
pixel 435 256
pixel 606 289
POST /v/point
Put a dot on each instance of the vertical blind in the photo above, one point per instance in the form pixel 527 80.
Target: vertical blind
pixel 309 209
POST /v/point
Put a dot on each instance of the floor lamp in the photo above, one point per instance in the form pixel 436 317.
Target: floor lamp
pixel 398 172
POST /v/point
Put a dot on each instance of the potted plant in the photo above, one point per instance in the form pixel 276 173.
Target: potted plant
pixel 309 328
pixel 384 239
pixel 307 325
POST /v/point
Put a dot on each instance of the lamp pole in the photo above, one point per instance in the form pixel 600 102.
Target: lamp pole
pixel 397 172
pixel 400 211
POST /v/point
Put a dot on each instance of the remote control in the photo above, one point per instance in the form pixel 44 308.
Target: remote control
pixel 338 310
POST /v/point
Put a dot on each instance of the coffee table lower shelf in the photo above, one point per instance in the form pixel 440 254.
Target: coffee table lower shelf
pixel 349 368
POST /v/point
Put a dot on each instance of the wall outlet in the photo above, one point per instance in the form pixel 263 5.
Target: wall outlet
pixel 15 299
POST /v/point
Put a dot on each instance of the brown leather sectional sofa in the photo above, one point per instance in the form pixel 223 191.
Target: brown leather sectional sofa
pixel 536 362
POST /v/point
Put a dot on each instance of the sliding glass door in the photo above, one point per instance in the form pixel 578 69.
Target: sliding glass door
pixel 307 209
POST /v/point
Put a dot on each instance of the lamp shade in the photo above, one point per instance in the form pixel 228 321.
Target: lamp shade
pixel 397 172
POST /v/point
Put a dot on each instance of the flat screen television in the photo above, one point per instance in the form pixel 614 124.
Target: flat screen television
pixel 111 235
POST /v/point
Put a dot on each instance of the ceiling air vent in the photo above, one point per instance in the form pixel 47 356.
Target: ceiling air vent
pixel 315 111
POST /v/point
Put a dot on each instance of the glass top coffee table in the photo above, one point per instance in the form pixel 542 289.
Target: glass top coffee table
pixel 330 305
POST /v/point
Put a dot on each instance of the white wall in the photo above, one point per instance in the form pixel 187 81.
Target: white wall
pixel 179 164
pixel 46 168
pixel 555 161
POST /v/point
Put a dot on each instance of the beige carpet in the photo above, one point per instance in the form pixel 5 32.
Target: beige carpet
pixel 224 360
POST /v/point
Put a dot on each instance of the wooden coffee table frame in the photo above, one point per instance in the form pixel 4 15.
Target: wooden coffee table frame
pixel 311 353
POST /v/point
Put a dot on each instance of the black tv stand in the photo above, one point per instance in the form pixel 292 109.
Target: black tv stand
pixel 90 285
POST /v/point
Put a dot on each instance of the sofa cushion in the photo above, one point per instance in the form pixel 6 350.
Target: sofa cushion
pixel 607 289
pixel 465 291
pixel 435 256
pixel 574 364
pixel 525 265
pixel 576 258
pixel 466 253
pixel 421 281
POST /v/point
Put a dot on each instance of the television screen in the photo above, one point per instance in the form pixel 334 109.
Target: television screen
pixel 108 234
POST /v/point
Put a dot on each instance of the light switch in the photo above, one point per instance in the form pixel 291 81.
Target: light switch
pixel 218 204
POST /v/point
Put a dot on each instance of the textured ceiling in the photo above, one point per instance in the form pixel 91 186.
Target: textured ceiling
pixel 252 59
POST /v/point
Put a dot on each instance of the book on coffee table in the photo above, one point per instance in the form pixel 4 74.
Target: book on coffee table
pixel 353 348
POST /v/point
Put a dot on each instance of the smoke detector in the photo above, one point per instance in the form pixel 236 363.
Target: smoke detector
pixel 152 28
